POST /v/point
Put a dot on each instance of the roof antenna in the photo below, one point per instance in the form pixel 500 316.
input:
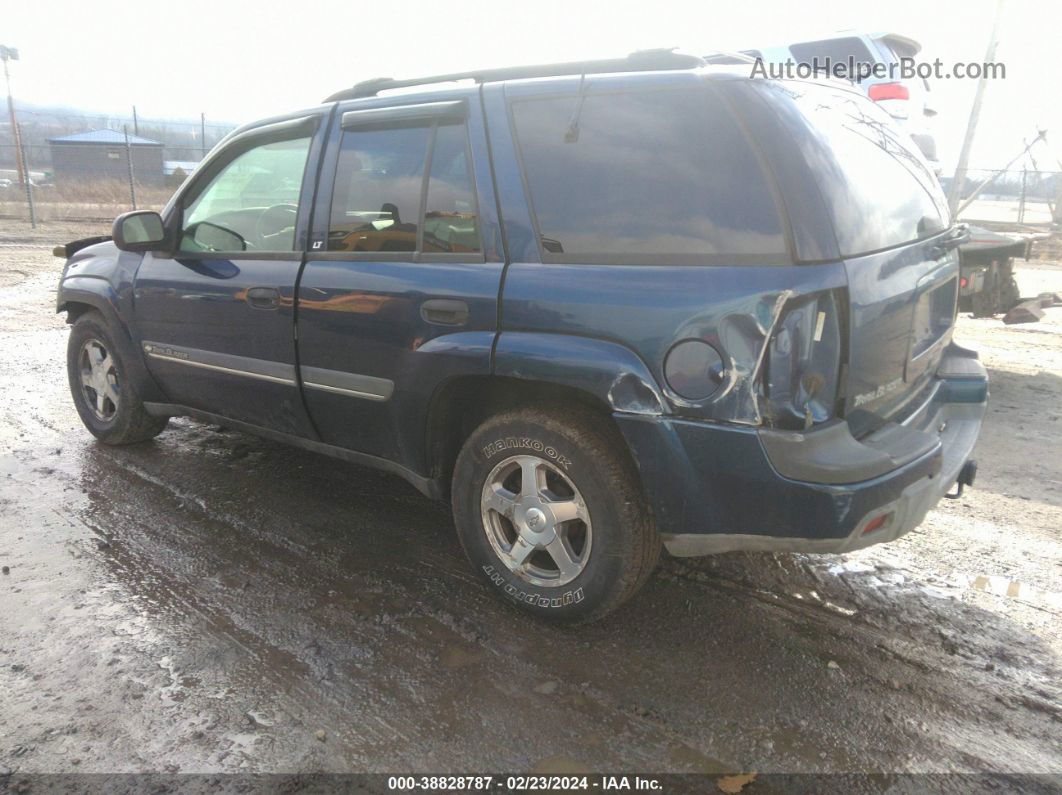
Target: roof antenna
pixel 571 135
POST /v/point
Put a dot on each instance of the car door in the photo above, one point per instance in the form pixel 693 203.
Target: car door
pixel 215 318
pixel 400 291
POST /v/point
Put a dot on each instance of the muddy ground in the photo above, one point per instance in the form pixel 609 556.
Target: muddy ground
pixel 212 602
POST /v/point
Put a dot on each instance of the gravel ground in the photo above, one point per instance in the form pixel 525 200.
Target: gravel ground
pixel 211 602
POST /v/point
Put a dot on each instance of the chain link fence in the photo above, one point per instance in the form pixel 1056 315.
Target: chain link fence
pixel 78 168
pixel 1017 196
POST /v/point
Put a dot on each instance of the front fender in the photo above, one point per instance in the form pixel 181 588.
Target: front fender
pixel 94 291
pixel 609 371
pixel 98 293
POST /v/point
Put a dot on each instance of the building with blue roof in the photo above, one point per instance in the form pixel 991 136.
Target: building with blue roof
pixel 104 155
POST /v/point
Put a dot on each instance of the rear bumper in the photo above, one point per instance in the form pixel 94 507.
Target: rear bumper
pixel 717 489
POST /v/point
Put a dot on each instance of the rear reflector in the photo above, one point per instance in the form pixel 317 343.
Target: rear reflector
pixel 877 523
pixel 880 91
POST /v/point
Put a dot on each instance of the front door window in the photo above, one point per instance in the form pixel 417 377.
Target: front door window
pixel 251 204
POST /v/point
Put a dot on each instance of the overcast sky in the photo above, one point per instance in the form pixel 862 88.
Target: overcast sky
pixel 238 61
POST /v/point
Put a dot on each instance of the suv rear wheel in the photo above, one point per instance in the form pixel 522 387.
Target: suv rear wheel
pixel 103 393
pixel 552 514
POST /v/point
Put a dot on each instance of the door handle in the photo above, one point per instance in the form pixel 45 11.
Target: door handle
pixel 445 311
pixel 263 297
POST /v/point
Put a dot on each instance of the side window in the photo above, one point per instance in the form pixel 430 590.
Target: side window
pixel 646 177
pixel 376 199
pixel 381 179
pixel 450 220
pixel 251 204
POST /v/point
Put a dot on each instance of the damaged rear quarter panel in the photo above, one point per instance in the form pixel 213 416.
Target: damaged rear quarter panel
pixel 607 328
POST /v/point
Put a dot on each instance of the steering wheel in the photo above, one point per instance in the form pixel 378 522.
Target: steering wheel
pixel 274 220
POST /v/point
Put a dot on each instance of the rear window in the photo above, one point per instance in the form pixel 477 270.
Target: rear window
pixel 878 188
pixel 646 177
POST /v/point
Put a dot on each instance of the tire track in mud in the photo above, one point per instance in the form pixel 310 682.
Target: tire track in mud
pixel 125 532
pixel 396 607
pixel 158 505
pixel 134 561
pixel 461 625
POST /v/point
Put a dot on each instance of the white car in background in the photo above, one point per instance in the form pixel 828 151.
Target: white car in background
pixel 906 100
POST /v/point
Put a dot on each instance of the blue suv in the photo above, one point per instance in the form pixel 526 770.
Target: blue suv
pixel 601 307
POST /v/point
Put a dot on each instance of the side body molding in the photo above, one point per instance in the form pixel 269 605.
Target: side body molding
pixel 609 371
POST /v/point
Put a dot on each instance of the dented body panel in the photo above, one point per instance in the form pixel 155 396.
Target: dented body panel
pixel 644 311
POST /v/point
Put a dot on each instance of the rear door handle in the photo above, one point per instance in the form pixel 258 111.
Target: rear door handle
pixel 263 297
pixel 445 311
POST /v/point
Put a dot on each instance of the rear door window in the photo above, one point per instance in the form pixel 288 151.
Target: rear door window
pixel 644 177
pixel 404 189
pixel 878 188
pixel 377 190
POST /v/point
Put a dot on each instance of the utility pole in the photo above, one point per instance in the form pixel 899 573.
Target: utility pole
pixel 129 166
pixel 1021 202
pixel 28 184
pixel 971 126
pixel 202 135
pixel 11 54
pixel 136 124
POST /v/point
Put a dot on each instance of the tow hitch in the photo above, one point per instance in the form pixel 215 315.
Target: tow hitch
pixel 966 478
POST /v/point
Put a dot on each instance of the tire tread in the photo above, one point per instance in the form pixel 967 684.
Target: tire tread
pixel 596 436
pixel 133 424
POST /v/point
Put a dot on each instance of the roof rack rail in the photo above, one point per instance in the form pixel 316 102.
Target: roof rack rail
pixel 640 61
pixel 728 57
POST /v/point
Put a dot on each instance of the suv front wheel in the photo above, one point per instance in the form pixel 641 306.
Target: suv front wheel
pixel 104 396
pixel 551 513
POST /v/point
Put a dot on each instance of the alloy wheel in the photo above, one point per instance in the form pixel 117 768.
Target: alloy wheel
pixel 99 379
pixel 536 520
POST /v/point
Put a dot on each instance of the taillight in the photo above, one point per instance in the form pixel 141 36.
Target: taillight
pixel 880 91
pixel 804 363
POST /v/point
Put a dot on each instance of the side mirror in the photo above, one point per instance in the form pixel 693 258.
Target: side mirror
pixel 140 230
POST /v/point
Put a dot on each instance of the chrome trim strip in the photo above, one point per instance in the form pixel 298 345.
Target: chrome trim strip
pixel 366 387
pixel 274 372
pixel 340 391
pixel 218 368
pixel 338 382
